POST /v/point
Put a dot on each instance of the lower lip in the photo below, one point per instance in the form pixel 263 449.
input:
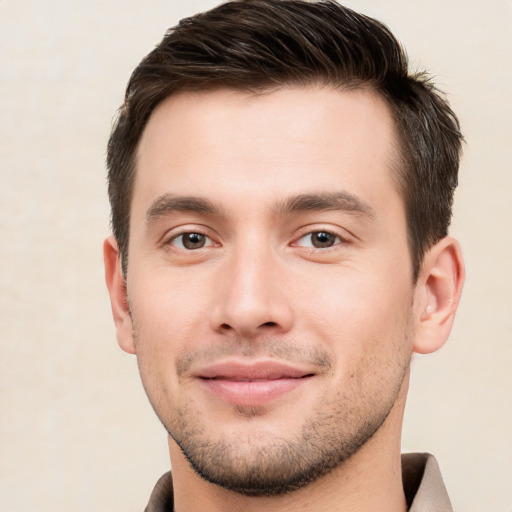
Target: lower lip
pixel 252 393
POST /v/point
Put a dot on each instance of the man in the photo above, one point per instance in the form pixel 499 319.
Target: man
pixel 281 192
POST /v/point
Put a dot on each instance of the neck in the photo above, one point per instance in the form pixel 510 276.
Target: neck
pixel 369 480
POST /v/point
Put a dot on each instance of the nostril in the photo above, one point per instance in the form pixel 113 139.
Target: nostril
pixel 269 324
pixel 226 327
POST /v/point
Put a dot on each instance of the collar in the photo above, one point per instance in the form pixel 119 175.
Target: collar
pixel 423 487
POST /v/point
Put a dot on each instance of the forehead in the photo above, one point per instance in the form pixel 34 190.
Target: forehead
pixel 261 147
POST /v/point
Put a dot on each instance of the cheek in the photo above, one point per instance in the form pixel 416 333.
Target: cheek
pixel 356 312
pixel 368 332
pixel 165 322
pixel 168 306
pixel 169 316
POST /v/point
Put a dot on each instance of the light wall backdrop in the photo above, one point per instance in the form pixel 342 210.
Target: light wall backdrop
pixel 76 431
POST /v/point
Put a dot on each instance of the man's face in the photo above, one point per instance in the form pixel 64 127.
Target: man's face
pixel 269 280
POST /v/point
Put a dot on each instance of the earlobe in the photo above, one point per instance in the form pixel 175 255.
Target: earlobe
pixel 118 298
pixel 438 293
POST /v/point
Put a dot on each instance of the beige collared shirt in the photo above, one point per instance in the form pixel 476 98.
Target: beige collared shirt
pixel 423 487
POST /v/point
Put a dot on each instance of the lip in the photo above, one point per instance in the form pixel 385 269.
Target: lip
pixel 252 384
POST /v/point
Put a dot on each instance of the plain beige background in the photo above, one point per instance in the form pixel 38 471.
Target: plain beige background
pixel 76 432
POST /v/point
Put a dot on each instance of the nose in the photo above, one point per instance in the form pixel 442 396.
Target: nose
pixel 252 297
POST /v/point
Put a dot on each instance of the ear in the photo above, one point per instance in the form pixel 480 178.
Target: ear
pixel 438 293
pixel 118 298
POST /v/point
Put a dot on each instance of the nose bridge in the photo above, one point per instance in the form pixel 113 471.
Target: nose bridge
pixel 252 266
pixel 251 297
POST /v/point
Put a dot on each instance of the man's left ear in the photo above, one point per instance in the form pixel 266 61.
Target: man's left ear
pixel 438 291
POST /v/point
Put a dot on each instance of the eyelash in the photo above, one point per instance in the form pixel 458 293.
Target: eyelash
pixel 208 240
pixel 338 240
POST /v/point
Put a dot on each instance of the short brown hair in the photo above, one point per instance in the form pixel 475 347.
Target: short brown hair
pixel 257 45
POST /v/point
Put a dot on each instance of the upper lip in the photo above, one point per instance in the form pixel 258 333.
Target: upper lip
pixel 252 371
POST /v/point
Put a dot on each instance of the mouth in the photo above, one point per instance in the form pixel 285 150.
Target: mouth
pixel 252 384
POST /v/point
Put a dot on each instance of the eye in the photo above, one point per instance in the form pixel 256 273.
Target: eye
pixel 319 240
pixel 191 241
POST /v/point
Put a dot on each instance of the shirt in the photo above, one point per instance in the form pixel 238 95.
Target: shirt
pixel 423 487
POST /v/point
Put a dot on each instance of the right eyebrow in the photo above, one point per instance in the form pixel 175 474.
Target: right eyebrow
pixel 170 203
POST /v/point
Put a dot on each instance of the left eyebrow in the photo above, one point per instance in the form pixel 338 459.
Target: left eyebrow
pixel 328 201
pixel 170 203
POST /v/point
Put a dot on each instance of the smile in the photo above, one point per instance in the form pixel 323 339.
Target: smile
pixel 252 384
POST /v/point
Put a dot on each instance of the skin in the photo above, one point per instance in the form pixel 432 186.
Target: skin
pixel 242 172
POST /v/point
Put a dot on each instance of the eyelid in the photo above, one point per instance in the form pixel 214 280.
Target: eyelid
pixel 208 242
pixel 311 246
pixel 178 231
pixel 344 236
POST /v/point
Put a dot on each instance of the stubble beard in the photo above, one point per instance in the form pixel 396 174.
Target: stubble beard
pixel 276 466
pixel 263 464
pixel 259 463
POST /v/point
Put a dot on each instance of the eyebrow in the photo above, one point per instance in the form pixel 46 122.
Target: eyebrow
pixel 170 203
pixel 328 201
pixel 167 204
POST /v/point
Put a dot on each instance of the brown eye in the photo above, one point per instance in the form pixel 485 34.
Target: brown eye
pixel 190 241
pixel 319 240
pixel 193 240
pixel 322 239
